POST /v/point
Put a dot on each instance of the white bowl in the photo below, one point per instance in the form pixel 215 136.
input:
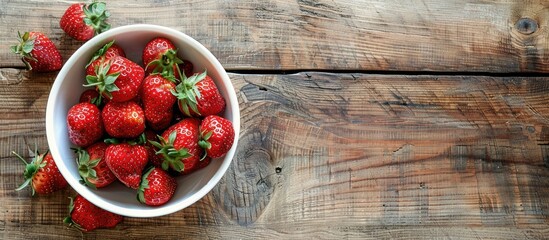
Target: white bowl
pixel 66 91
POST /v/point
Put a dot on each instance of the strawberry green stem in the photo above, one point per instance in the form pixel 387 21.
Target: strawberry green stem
pixel 30 168
pixel 86 167
pixel 204 144
pixel 19 157
pixel 68 220
pixel 103 81
pixel 172 157
pixel 144 185
pixel 102 51
pixel 24 48
pixel 166 63
pixel 188 94
pixel 96 15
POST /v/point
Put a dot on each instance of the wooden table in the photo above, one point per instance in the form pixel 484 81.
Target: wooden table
pixel 360 119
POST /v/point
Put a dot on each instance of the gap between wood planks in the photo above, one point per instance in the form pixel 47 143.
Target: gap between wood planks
pixel 375 72
pixel 389 72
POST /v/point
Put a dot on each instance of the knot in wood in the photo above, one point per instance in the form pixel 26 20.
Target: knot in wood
pixel 526 26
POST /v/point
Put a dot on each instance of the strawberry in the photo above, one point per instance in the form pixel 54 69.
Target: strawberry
pixel 117 79
pixel 81 21
pixel 38 52
pixel 90 96
pixel 158 101
pixel 204 162
pixel 92 166
pixel 85 124
pixel 179 146
pixel 160 56
pixel 123 119
pixel 105 53
pixel 216 135
pixel 154 159
pixel 42 174
pixel 187 68
pixel 156 188
pixel 199 96
pixel 127 162
pixel 158 119
pixel 86 216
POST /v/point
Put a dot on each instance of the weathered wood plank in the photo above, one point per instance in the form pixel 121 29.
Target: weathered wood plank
pixel 425 35
pixel 336 156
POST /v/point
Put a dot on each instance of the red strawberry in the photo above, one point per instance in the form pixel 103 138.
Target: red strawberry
pixel 118 79
pixel 187 68
pixel 160 56
pixel 158 119
pixel 85 124
pixel 86 216
pixel 158 101
pixel 90 96
pixel 157 187
pixel 38 52
pixel 154 159
pixel 179 146
pixel 105 53
pixel 82 22
pixel 92 166
pixel 204 162
pixel 216 135
pixel 199 96
pixel 42 174
pixel 123 119
pixel 127 162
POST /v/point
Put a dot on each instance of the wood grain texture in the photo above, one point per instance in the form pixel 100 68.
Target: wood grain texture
pixel 335 156
pixel 420 35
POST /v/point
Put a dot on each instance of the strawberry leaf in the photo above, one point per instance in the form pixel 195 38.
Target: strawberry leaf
pixel 19 157
pixel 204 144
pixel 184 107
pixel 112 88
pixel 97 100
pixel 28 46
pixel 25 184
pixel 172 157
pixel 207 136
pixel 101 52
pixel 179 166
pixel 96 15
pixel 111 141
pixel 85 167
pixel 188 93
pixel 24 48
pixel 110 79
pixel 156 144
pixel 144 185
pixel 172 136
pixel 93 163
pixel 92 174
pixel 166 63
pixel 103 82
pixel 68 220
pixel 165 165
pixel 30 168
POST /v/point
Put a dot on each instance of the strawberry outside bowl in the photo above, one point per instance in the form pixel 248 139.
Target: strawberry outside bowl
pixel 66 91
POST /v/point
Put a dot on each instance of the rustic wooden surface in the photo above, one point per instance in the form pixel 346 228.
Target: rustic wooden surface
pixel 422 35
pixel 397 121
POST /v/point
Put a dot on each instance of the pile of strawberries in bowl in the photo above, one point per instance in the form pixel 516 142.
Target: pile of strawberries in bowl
pixel 142 120
pixel 144 126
